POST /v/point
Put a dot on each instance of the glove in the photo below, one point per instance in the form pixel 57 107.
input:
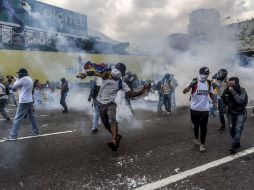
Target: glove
pixel 193 83
pixel 89 99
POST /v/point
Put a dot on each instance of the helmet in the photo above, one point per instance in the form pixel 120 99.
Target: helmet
pixel 204 71
pixel 121 67
pixel 167 75
pixel 222 74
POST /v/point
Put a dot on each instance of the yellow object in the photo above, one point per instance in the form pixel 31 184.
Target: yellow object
pixel 53 66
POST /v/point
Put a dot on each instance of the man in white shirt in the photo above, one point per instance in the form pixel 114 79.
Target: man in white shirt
pixel 201 89
pixel 3 100
pixel 24 85
pixel 111 84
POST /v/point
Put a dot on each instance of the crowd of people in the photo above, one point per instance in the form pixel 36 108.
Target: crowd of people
pixel 206 96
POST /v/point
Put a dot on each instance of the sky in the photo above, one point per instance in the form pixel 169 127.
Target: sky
pixel 149 21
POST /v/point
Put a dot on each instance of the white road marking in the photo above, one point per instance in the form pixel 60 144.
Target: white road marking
pixel 182 175
pixel 250 107
pixel 42 135
pixel 35 116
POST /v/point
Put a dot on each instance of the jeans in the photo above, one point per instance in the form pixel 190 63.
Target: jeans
pixel 96 116
pixel 24 109
pixel 221 107
pixel 200 120
pixel 167 101
pixel 62 101
pixel 173 99
pixel 2 106
pixel 160 102
pixel 12 96
pixel 236 123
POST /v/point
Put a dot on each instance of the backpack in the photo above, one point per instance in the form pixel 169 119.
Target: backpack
pixel 95 91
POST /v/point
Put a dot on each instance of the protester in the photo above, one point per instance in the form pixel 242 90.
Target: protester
pixel 167 90
pixel 200 90
pixel 11 93
pixel 95 87
pixel 24 85
pixel 37 92
pixel 64 93
pixel 3 99
pixel 110 85
pixel 175 85
pixel 220 84
pixel 160 93
pixel 235 98
pixel 129 78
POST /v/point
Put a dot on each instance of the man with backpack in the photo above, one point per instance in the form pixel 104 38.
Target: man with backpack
pixel 4 92
pixel 201 89
pixel 95 88
pixel 235 98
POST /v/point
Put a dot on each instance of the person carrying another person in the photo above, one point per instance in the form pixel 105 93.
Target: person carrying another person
pixel 111 84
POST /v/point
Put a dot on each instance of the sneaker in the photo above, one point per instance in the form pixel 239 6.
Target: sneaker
pixel 168 113
pixel 202 148
pixel 7 120
pixel 232 150
pixel 113 145
pixel 65 111
pixel 196 142
pixel 10 138
pixel 94 131
pixel 221 127
pixel 34 134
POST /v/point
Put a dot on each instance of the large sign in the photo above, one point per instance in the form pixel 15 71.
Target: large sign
pixel 41 16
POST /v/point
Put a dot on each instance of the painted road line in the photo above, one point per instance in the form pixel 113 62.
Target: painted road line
pixel 182 175
pixel 35 116
pixel 42 135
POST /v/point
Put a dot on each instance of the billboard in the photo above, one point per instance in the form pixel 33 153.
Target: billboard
pixel 40 16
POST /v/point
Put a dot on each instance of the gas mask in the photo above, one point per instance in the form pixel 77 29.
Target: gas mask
pixel 203 78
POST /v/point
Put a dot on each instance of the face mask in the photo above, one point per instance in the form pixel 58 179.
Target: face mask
pixel 203 78
pixel 116 74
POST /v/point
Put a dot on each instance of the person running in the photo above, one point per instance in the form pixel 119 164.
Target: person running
pixel 3 99
pixel 111 84
pixel 200 89
pixel 24 85
pixel 235 98
pixel 160 93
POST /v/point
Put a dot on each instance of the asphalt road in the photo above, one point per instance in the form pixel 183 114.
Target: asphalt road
pixel 153 147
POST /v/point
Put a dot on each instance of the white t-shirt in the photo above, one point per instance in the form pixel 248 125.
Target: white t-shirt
pixel 200 98
pixel 108 90
pixel 25 88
